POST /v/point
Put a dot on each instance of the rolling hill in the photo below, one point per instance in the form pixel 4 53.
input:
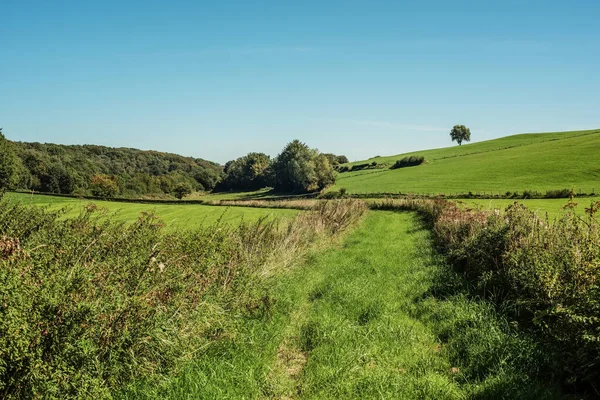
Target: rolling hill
pixel 536 162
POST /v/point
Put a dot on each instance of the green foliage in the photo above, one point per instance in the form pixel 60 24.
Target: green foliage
pixel 301 169
pixel 334 160
pixel 62 169
pixel 251 172
pixel 460 133
pixel 182 190
pixel 409 161
pixel 7 163
pixel 88 305
pixel 342 160
pixel 543 274
pixel 104 186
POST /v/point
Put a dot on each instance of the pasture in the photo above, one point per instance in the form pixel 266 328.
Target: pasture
pixel 537 162
pixel 173 215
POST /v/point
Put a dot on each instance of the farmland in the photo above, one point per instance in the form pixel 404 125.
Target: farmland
pixel 314 298
pixel 174 215
pixel 535 162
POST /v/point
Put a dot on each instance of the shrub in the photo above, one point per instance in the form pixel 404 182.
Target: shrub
pixel 358 167
pixel 546 275
pixel 408 162
pixel 88 305
pixel 558 194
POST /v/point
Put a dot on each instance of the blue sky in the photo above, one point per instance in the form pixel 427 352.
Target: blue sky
pixel 363 78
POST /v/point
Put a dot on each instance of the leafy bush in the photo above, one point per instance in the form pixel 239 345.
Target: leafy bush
pixel 88 305
pixel 558 194
pixel 545 274
pixel 408 162
pixel 358 167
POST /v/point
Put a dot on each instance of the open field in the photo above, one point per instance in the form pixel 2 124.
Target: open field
pixel 363 320
pixel 536 162
pixel 174 215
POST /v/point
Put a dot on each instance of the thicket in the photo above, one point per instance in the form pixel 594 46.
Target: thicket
pixel 544 274
pixel 88 305
pixel 77 169
pixel 408 162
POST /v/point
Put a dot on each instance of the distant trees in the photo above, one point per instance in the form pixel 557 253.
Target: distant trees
pixel 335 160
pixel 460 133
pixel 7 163
pixel 299 169
pixel 250 172
pixel 67 169
pixel 182 189
pixel 104 186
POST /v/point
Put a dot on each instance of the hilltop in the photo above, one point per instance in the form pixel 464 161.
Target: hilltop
pixel 537 162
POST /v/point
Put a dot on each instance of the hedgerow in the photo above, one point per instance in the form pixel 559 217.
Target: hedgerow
pixel 544 274
pixel 89 305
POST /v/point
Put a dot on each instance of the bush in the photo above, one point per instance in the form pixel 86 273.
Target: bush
pixel 558 194
pixel 546 275
pixel 88 305
pixel 408 162
pixel 358 167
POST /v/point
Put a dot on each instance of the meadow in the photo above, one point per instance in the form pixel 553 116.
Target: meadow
pixel 535 162
pixel 249 297
pixel 364 319
pixel 174 215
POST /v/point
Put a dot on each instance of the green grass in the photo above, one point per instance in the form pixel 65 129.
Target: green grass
pixel 515 163
pixel 174 215
pixel 379 316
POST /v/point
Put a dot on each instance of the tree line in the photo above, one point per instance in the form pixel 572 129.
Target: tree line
pixel 125 172
pixel 297 169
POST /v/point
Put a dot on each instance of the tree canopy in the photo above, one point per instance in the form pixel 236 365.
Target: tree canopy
pixel 124 172
pixel 300 169
pixel 8 163
pixel 460 133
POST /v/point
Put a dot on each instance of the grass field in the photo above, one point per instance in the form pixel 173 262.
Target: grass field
pixel 537 162
pixel 174 215
pixel 362 320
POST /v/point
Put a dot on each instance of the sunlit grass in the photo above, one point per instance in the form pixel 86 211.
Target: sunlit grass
pixel 174 215
pixel 537 162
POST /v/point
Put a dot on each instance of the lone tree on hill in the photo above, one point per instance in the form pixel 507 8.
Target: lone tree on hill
pixel 460 133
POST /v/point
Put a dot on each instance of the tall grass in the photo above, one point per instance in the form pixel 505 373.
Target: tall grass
pixel 544 274
pixel 88 305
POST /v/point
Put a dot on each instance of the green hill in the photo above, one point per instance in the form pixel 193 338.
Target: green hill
pixel 537 162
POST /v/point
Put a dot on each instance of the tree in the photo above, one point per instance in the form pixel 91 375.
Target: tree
pixel 460 133
pixel 8 163
pixel 182 189
pixel 104 186
pixel 250 172
pixel 301 169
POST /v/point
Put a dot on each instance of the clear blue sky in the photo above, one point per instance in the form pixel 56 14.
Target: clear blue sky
pixel 217 79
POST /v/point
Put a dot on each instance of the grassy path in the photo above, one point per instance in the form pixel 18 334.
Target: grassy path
pixel 378 316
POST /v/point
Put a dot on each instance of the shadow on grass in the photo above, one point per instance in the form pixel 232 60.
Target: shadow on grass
pixel 495 357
